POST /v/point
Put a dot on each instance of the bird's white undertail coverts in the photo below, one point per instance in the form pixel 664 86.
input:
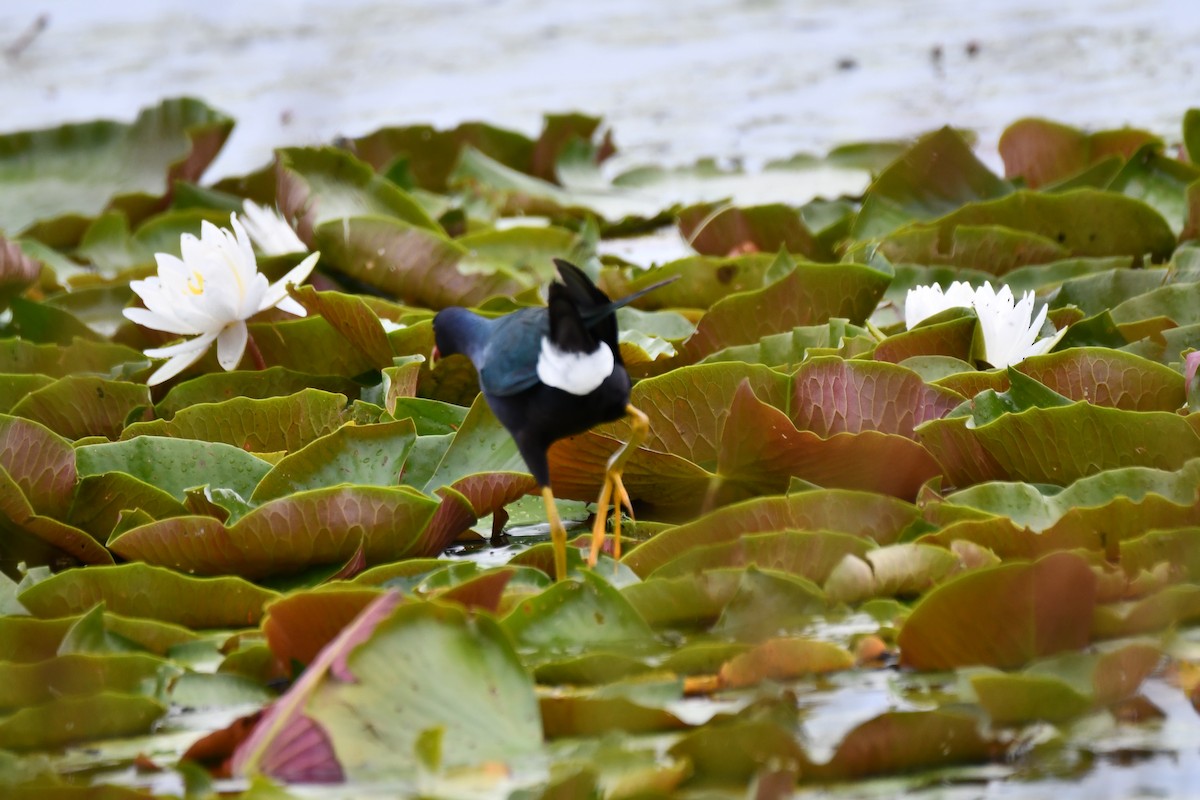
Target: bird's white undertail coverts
pixel 576 373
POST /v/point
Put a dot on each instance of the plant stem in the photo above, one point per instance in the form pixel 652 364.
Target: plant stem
pixel 255 354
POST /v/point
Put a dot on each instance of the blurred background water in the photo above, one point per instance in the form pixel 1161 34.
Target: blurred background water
pixel 746 80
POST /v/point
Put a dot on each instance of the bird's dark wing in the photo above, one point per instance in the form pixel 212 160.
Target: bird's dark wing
pixel 510 363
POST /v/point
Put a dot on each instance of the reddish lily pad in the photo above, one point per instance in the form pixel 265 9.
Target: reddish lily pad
pixel 299 625
pixel 1041 151
pixel 28 536
pixel 1048 609
pixel 39 461
pixel 726 230
pixel 82 405
pixel 319 526
pixel 832 395
pixel 17 271
pixel 900 741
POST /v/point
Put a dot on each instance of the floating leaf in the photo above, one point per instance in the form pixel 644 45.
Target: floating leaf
pixel 39 461
pixel 319 526
pixel 1047 605
pixel 80 405
pixel 175 465
pixel 31 684
pixel 259 426
pixel 725 230
pixel 76 171
pixel 352 318
pixel 574 612
pixel 69 720
pixel 371 455
pixel 808 554
pixel 409 263
pixel 832 395
pixel 142 590
pixel 17 271
pixel 315 185
pixel 1041 151
pixel 937 175
pixel 782 660
pixel 808 295
pixel 1043 445
pixel 873 517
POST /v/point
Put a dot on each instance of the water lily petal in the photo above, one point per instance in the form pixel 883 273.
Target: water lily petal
pixel 923 302
pixel 231 344
pixel 269 231
pixel 182 356
pixel 278 290
pixel 292 307
pixel 149 319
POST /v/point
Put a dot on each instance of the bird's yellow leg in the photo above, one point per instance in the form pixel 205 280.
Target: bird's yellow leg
pixel 614 487
pixel 558 534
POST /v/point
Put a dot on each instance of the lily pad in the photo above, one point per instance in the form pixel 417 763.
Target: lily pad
pixel 1048 609
pixel 79 170
pixel 319 526
pixel 142 590
pixel 175 465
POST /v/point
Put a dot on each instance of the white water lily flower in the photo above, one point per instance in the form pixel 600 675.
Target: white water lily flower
pixel 209 293
pixel 923 302
pixel 1009 335
pixel 269 231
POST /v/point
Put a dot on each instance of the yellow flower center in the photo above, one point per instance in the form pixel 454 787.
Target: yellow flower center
pixel 195 283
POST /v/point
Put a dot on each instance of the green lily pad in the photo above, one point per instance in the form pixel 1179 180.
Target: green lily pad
pixel 216 387
pixel 81 169
pixel 576 612
pixel 871 516
pixel 808 295
pixel 70 720
pixel 175 465
pixel 1042 445
pixel 147 591
pixel 316 185
pixel 1048 607
pixel 31 684
pixel 257 425
pixel 371 455
pixel 937 175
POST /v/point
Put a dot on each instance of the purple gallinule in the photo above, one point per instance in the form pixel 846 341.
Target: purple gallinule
pixel 553 372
